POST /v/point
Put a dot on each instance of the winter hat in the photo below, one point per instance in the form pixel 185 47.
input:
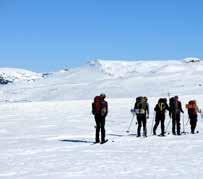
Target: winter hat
pixel 102 95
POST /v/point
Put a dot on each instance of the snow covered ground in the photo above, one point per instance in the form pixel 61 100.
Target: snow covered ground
pixel 55 140
pixel 47 130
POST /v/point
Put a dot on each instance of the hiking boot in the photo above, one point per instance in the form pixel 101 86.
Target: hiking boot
pixel 104 141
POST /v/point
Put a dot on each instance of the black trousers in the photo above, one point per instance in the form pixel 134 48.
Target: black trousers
pixel 176 123
pixel 141 120
pixel 193 123
pixel 159 118
pixel 100 125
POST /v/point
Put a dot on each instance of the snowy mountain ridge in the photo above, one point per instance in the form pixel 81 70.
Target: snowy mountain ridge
pixel 15 74
pixel 118 79
pixel 125 68
pixel 113 68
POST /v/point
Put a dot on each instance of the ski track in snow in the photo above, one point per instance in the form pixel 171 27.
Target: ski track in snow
pixel 55 140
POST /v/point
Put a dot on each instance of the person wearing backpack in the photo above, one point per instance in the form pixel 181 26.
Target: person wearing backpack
pixel 174 112
pixel 100 111
pixel 193 109
pixel 141 109
pixel 160 110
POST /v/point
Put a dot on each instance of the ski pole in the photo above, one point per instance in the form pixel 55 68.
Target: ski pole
pixel 187 121
pixel 128 130
pixel 201 115
pixel 168 124
pixel 183 125
pixel 153 119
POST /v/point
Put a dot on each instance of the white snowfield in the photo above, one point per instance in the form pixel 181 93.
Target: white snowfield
pixel 118 79
pixel 14 74
pixel 55 140
pixel 47 129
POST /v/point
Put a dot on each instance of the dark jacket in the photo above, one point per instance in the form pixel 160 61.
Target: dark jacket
pixel 176 108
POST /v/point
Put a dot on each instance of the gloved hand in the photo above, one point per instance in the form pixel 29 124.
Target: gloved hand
pixel 132 110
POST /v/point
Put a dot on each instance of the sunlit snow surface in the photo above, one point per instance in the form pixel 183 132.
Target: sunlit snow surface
pixel 55 140
pixel 47 130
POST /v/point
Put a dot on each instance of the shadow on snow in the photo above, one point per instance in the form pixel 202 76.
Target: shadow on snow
pixel 76 141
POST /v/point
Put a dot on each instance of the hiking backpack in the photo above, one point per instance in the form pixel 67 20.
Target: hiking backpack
pixel 172 104
pixel 162 104
pixel 191 106
pixel 140 105
pixel 96 105
pixel 99 107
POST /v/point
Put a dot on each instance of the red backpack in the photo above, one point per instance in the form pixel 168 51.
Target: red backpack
pixel 97 105
pixel 191 106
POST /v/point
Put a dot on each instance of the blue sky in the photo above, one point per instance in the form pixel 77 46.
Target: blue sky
pixel 47 35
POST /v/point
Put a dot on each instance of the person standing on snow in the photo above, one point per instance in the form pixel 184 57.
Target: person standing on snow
pixel 141 109
pixel 175 110
pixel 160 110
pixel 100 111
pixel 192 113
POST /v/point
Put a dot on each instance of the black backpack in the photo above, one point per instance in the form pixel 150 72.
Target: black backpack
pixel 162 104
pixel 140 105
pixel 172 104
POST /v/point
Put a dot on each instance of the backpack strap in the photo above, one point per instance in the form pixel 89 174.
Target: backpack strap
pixel 162 106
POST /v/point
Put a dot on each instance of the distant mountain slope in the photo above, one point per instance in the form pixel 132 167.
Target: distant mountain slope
pixel 13 74
pixel 128 68
pixel 118 79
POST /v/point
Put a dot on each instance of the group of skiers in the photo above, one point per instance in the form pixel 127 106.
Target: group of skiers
pixel 174 108
pixel 141 110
